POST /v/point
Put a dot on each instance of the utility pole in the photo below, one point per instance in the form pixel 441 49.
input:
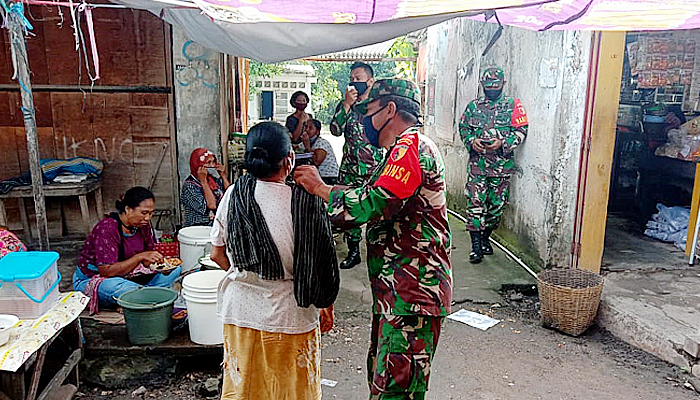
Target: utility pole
pixel 16 25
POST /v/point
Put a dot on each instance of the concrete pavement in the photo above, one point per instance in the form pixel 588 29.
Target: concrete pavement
pixel 475 283
pixel 653 310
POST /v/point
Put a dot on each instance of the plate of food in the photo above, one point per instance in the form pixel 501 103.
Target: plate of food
pixel 168 264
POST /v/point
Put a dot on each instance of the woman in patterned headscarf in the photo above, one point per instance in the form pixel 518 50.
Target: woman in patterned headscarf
pixel 203 189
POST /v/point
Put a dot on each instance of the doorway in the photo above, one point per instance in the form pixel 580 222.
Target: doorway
pixel 653 169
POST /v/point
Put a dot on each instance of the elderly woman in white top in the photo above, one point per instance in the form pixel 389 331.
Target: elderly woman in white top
pixel 275 241
pixel 323 155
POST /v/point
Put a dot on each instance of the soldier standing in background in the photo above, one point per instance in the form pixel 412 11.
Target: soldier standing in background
pixel 360 158
pixel 408 239
pixel 491 128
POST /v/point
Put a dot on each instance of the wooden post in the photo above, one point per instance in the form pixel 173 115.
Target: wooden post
pixel 19 47
pixel 694 207
pixel 603 98
pixel 224 106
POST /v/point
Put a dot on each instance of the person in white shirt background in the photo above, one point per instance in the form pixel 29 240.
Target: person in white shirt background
pixel 324 157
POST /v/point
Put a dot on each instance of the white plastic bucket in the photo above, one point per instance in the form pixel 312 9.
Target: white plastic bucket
pixel 200 290
pixel 193 244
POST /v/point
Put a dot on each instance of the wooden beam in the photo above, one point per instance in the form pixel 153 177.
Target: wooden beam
pixel 224 109
pixel 172 121
pixel 366 59
pixel 243 94
pixel 38 369
pixel 93 89
pixel 603 99
pixel 19 47
pixel 62 374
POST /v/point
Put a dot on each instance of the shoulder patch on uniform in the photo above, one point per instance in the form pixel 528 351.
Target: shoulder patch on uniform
pixel 402 174
pixel 518 118
pixel 401 148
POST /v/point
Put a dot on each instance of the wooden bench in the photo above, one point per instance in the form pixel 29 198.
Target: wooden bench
pixel 42 376
pixel 81 190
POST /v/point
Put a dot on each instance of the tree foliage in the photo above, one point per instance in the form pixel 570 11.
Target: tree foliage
pixel 332 80
pixel 404 49
pixel 327 92
pixel 262 70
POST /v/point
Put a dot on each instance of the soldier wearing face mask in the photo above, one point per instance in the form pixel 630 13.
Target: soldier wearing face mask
pixel 408 239
pixel 491 128
pixel 360 157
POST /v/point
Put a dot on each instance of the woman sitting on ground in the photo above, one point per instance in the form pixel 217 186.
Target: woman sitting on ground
pixel 275 241
pixel 118 254
pixel 203 189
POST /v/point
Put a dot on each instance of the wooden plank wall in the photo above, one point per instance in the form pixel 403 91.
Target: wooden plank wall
pixel 126 129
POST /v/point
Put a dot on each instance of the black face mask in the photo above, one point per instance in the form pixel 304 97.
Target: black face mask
pixel 493 94
pixel 360 86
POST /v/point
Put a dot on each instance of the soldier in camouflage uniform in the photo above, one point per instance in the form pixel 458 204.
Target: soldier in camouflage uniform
pixel 360 158
pixel 491 128
pixel 408 240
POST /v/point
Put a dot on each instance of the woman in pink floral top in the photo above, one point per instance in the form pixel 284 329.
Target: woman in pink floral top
pixel 118 252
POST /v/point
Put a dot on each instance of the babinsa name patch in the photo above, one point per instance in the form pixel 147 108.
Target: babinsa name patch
pixel 402 173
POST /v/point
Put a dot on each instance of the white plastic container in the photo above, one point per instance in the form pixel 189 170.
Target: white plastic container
pixel 193 244
pixel 28 283
pixel 6 324
pixel 200 290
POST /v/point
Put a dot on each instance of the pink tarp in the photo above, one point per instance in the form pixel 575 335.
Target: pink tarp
pixel 344 11
pixel 276 30
pixel 620 15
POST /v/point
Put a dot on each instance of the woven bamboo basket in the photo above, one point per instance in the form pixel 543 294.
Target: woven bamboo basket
pixel 569 299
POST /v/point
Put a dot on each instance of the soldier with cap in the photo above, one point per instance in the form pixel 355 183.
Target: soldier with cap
pixel 408 239
pixel 491 128
pixel 360 158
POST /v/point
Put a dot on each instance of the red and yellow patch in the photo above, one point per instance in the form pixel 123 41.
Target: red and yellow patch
pixel 402 174
pixel 518 118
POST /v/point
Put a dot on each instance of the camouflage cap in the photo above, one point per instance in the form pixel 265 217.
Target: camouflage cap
pixel 391 86
pixel 493 75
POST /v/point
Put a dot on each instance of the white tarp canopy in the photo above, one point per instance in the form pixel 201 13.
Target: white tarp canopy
pixel 252 32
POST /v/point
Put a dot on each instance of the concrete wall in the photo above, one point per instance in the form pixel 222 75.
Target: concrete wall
pixel 548 72
pixel 197 109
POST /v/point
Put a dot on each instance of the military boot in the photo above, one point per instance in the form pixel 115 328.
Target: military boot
pixel 353 257
pixel 486 248
pixel 477 253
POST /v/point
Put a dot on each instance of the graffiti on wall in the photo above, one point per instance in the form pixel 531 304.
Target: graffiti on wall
pixel 196 69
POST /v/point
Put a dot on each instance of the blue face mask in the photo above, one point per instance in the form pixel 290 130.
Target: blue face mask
pixel 370 131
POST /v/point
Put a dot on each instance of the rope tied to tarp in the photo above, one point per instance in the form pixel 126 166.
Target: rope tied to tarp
pixel 4 11
pixel 93 43
pixel 17 10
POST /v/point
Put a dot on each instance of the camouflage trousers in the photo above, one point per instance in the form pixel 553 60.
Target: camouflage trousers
pixel 354 234
pixel 400 353
pixel 486 199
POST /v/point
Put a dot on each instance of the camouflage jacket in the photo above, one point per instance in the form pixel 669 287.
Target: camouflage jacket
pixel 408 237
pixel 360 158
pixel 504 119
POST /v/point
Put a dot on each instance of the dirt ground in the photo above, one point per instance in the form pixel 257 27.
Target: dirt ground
pixel 517 359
